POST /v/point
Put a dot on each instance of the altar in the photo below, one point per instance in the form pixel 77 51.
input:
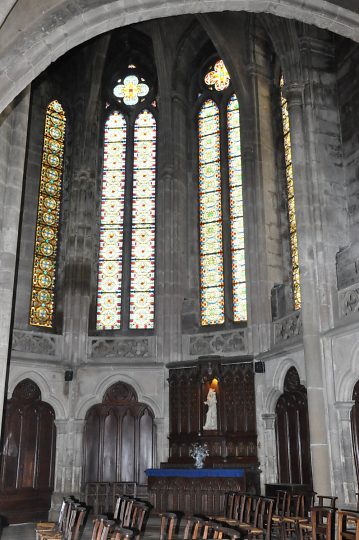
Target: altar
pixel 197 491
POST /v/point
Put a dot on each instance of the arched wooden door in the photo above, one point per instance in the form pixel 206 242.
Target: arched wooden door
pixel 292 432
pixel 354 418
pixel 119 438
pixel 28 455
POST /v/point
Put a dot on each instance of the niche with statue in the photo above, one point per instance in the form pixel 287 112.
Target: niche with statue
pixel 212 404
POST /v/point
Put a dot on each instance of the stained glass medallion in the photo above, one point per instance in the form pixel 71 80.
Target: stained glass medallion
pixel 236 211
pixel 293 239
pixel 111 227
pixel 130 89
pixel 48 215
pixel 218 78
pixel 210 216
pixel 142 288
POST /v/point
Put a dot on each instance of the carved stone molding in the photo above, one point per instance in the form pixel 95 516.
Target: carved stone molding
pixel 269 420
pixel 349 301
pixel 36 343
pixel 224 343
pixel 141 347
pixel 288 327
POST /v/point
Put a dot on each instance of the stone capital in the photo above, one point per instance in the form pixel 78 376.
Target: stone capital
pixel 269 420
pixel 294 94
pixel 344 409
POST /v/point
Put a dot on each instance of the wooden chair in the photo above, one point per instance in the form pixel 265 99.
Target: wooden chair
pixel 58 525
pixel 281 510
pixel 298 514
pixel 72 528
pixel 322 524
pixel 193 527
pixel 138 518
pixel 348 525
pixel 326 501
pixel 168 521
pixel 245 511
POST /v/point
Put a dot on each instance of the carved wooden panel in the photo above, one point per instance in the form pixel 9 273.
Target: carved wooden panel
pixel 235 440
pixel 354 417
pixel 119 438
pixel 28 455
pixel 292 432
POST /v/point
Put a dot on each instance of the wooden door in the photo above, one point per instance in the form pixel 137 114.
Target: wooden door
pixel 354 418
pixel 28 455
pixel 119 438
pixel 292 433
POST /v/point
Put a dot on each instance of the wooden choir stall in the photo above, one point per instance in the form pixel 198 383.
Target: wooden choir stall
pixel 212 406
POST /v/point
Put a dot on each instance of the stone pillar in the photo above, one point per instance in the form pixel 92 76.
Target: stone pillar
pixel 270 449
pixel 161 451
pixel 69 457
pixel 344 471
pixel 13 134
pixel 308 262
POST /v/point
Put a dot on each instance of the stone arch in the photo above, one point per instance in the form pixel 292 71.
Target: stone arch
pixel 47 394
pixel 276 388
pixel 348 379
pixel 37 46
pixel 97 396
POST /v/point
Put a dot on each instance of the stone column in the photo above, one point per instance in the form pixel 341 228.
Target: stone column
pixel 69 457
pixel 269 455
pixel 344 471
pixel 13 135
pixel 308 261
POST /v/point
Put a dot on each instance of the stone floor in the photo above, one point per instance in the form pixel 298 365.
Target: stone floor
pixel 26 531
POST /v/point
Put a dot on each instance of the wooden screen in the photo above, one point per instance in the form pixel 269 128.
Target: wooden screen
pixel 235 440
pixel 28 455
pixel 354 417
pixel 292 432
pixel 119 438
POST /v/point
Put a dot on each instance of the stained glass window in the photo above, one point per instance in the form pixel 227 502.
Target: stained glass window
pixel 111 227
pixel 143 223
pixel 236 211
pixel 293 239
pixel 48 215
pixel 218 78
pixel 130 89
pixel 210 215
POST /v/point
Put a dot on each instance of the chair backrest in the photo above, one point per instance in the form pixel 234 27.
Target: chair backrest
pixel 76 522
pixel 245 505
pixel 127 512
pixel 255 507
pixel 297 504
pixel 139 515
pixel 323 522
pixel 326 501
pixel 168 520
pixel 192 528
pixel 122 533
pixel 282 502
pixel 98 524
pixel 229 504
pixel 348 525
pixel 108 526
pixel 264 518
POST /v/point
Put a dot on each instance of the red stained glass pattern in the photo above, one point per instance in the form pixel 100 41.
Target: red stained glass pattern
pixel 236 211
pixel 142 292
pixel 48 214
pixel 293 239
pixel 210 216
pixel 111 228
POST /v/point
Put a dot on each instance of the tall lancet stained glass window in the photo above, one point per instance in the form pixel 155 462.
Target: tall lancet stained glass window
pixel 42 304
pixel 128 250
pixel 219 130
pixel 111 228
pixel 293 239
pixel 143 222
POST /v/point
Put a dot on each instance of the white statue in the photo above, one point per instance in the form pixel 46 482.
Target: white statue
pixel 211 418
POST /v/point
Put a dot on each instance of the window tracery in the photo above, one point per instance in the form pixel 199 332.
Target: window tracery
pixel 129 167
pixel 219 131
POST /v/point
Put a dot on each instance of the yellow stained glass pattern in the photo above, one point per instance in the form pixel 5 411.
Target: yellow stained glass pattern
pixel 218 78
pixel 293 239
pixel 210 216
pixel 48 215
pixel 236 211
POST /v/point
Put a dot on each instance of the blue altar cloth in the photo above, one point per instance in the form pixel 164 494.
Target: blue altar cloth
pixel 196 473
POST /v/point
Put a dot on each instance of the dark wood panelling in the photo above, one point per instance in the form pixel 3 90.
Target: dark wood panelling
pixel 354 418
pixel 119 441
pixel 28 455
pixel 235 440
pixel 292 432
